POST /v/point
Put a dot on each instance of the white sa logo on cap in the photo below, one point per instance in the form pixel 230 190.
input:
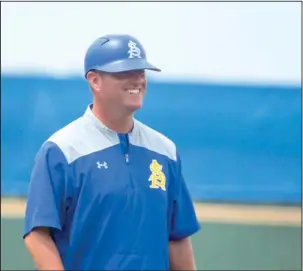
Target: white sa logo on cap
pixel 134 51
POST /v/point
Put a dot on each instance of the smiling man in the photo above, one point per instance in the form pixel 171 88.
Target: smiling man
pixel 107 191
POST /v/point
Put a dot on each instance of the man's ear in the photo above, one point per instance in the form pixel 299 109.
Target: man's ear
pixel 94 80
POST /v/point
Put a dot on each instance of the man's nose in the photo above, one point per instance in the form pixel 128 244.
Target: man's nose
pixel 139 77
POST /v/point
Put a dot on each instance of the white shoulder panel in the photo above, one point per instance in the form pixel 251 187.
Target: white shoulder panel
pixel 150 139
pixel 80 138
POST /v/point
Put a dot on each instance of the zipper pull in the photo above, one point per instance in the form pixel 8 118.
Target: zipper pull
pixel 126 158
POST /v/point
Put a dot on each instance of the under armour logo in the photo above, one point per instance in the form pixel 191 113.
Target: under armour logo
pixel 100 165
pixel 134 51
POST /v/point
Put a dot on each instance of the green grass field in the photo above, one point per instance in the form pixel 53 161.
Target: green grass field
pixel 232 237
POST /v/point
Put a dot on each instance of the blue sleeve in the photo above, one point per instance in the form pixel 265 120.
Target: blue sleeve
pixel 184 221
pixel 47 190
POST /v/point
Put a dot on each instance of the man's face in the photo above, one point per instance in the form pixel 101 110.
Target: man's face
pixel 122 91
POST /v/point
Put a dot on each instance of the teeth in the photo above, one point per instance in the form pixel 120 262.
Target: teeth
pixel 133 91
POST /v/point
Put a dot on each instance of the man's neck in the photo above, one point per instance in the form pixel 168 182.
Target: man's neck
pixel 119 124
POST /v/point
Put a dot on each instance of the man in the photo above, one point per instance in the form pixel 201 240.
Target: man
pixel 106 191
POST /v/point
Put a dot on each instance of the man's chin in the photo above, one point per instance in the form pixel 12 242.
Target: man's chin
pixel 133 108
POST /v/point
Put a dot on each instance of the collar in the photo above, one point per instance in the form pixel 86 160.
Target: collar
pixel 101 126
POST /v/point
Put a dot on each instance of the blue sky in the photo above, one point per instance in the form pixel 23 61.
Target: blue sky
pixel 257 42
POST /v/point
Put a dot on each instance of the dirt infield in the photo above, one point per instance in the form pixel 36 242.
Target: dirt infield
pixel 222 213
pixel 269 215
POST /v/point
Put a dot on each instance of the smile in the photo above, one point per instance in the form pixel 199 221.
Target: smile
pixel 133 91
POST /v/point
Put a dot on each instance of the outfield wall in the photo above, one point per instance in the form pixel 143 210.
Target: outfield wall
pixel 239 143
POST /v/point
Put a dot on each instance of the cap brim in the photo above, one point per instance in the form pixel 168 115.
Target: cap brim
pixel 127 65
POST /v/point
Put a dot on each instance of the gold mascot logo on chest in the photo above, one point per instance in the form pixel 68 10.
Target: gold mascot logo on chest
pixel 157 178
